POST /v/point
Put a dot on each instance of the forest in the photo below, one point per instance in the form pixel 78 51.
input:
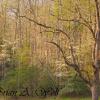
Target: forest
pixel 49 49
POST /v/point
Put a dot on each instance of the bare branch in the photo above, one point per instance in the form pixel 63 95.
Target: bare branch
pixel 63 54
pixel 74 66
pixel 40 24
pixel 85 23
pixel 46 26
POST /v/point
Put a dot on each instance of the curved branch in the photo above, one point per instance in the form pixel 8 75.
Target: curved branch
pixel 86 24
pixel 46 26
pixel 63 54
pixel 74 66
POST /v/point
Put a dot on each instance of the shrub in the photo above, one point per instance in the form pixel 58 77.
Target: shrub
pixel 47 82
pixel 29 77
pixel 18 78
pixel 74 87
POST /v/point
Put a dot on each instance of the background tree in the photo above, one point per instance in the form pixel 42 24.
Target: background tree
pixel 40 25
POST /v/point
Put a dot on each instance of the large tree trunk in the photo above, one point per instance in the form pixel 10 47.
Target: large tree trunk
pixel 95 86
pixel 94 91
pixel 95 83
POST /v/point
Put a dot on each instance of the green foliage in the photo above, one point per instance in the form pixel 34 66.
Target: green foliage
pixel 74 87
pixel 47 80
pixel 28 77
pixel 20 77
pixel 23 55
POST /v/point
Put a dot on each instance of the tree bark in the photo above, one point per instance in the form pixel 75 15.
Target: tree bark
pixel 95 86
pixel 94 91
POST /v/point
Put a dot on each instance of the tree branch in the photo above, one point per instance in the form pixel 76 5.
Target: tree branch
pixel 46 26
pixel 73 65
pixel 86 24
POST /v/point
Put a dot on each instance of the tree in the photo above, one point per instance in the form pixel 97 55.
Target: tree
pixel 66 17
pixel 92 23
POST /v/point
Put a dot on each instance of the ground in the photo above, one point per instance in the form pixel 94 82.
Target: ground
pixel 83 98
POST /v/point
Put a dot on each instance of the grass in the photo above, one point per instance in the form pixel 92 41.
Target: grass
pixel 64 99
pixel 28 98
pixel 58 98
pixel 84 98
